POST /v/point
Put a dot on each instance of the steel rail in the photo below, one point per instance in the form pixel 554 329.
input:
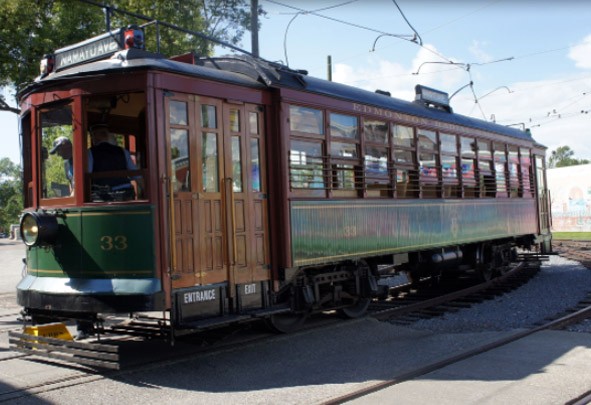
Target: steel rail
pixel 558 323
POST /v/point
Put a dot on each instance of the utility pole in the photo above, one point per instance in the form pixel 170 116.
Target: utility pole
pixel 254 27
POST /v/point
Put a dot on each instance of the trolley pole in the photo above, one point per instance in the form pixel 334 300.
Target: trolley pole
pixel 254 27
pixel 329 68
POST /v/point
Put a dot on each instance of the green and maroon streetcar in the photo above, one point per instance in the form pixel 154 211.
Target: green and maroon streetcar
pixel 220 190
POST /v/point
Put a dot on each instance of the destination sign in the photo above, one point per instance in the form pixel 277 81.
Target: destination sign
pixel 99 47
pixel 428 94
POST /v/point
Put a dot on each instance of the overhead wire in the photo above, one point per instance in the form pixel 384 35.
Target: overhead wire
pixel 334 19
pixel 465 66
pixel 303 13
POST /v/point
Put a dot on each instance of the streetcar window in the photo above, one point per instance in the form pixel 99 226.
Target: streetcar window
pixel 500 159
pixel 484 150
pixel 303 119
pixel 343 178
pixel 404 156
pixel 448 144
pixel 253 121
pixel 468 147
pixel 376 162
pixel 487 181
pixel 343 126
pixel 57 158
pixel 376 168
pixel 429 165
pixel 208 116
pixel 234 120
pixel 210 163
pixel 526 176
pixel 117 146
pixel 403 136
pixel 178 113
pixel 406 182
pixel 255 170
pixel 341 149
pixel 427 140
pixel 377 176
pixel 305 165
pixel 375 132
pixel 344 155
pixel 179 150
pixel 514 184
pixel 449 165
pixel 468 161
pixel 255 151
pixel 236 165
pixel 405 161
pixel 178 117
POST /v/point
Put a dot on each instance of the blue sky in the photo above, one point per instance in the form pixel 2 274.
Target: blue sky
pixel 545 85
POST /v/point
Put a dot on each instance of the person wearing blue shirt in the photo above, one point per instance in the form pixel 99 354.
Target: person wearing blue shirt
pixel 62 146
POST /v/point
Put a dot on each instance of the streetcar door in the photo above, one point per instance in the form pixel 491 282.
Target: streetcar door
pixel 220 206
pixel 542 195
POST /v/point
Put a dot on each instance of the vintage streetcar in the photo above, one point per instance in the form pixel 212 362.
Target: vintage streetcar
pixel 231 189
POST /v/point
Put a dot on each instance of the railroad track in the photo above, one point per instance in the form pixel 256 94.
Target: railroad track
pixel 559 323
pixel 574 250
pixel 405 308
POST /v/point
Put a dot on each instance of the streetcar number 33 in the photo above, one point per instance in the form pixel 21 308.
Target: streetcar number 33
pixel 117 242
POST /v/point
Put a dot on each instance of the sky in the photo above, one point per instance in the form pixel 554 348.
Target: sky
pixel 529 61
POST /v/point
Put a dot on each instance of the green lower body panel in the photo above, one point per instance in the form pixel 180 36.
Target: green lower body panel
pixel 328 231
pixel 99 243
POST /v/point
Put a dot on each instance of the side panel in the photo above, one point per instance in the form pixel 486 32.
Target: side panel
pixel 103 261
pixel 335 230
pixel 99 243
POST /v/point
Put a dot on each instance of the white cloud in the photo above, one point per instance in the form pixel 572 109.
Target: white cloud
pixel 528 102
pixel 479 53
pixel 581 53
pixel 553 123
pixel 399 79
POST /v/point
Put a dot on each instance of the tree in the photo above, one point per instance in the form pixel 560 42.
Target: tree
pixel 48 25
pixel 11 195
pixel 563 156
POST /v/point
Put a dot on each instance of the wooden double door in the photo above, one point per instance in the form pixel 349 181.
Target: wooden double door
pixel 218 183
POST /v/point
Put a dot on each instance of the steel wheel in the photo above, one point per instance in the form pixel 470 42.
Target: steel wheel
pixel 286 323
pixel 357 310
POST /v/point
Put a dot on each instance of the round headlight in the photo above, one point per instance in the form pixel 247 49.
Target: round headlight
pixel 38 228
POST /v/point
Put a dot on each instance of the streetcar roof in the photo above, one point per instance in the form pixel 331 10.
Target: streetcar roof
pixel 246 71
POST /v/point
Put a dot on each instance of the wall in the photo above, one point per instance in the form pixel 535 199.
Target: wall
pixel 570 197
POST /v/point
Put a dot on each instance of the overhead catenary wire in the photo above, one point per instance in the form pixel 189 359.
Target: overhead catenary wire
pixel 303 13
pixel 336 19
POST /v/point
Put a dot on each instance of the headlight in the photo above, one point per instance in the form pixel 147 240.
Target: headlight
pixel 38 228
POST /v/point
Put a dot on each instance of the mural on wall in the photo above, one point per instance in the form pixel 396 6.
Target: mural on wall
pixel 570 196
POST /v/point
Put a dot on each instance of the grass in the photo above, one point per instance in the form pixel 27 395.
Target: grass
pixel 571 235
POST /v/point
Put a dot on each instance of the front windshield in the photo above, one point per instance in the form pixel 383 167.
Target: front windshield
pixel 116 147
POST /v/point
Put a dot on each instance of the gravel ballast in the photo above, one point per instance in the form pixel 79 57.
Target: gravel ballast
pixel 560 284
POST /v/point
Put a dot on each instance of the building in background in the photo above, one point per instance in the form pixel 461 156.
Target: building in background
pixel 570 197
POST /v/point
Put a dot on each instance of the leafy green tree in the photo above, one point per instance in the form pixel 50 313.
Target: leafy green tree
pixel 11 195
pixel 30 29
pixel 564 156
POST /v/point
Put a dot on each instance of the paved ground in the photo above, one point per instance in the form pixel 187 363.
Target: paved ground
pixel 11 267
pixel 311 367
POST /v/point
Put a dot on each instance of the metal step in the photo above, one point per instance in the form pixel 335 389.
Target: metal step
pixel 90 354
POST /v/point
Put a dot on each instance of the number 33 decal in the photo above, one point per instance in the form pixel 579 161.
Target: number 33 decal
pixel 118 242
